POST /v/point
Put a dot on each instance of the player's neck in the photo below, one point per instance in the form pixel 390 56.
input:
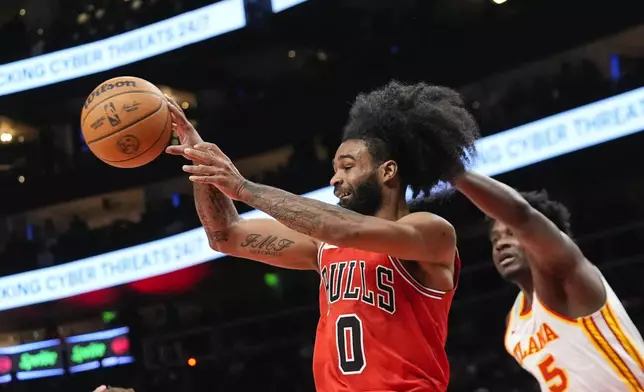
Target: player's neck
pixel 527 288
pixel 393 210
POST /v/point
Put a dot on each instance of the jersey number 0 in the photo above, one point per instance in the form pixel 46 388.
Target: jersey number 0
pixel 350 343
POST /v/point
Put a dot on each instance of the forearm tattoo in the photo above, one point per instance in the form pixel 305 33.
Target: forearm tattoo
pixel 266 244
pixel 311 217
pixel 216 212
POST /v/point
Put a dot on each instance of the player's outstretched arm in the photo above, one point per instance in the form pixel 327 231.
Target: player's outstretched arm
pixel 421 237
pixel 563 278
pixel 550 250
pixel 270 242
pixel 262 240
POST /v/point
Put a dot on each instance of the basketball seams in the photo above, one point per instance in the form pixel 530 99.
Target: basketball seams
pixel 129 125
pixel 118 141
pixel 165 129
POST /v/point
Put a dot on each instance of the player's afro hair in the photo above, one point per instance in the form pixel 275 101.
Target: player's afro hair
pixel 426 129
pixel 553 210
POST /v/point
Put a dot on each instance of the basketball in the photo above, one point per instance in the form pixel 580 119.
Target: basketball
pixel 126 122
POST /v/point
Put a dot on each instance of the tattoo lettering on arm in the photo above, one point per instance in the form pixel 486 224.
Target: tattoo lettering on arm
pixel 269 245
pixel 306 216
pixel 218 236
pixel 216 212
pixel 421 237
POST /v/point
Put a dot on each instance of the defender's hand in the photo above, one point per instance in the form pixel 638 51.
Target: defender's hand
pixel 215 168
pixel 188 135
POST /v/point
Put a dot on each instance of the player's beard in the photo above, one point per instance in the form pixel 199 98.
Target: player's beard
pixel 366 198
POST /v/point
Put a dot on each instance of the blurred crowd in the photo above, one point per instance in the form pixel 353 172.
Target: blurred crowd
pixel 574 85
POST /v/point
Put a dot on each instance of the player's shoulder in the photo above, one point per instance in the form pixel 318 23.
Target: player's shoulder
pixel 432 226
pixel 424 217
pixel 324 249
pixel 520 301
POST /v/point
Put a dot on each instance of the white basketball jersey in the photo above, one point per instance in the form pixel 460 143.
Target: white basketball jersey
pixel 602 352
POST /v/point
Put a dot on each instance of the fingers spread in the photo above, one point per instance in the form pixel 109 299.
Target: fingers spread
pixel 176 112
pixel 201 179
pixel 176 150
pixel 200 169
pixel 192 153
pixel 172 101
pixel 205 146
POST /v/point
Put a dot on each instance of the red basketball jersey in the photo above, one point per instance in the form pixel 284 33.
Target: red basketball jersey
pixel 379 329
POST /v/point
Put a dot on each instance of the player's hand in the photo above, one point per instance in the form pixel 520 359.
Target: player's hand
pixel 188 135
pixel 102 388
pixel 215 168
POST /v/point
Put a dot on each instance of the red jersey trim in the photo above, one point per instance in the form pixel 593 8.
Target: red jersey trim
pixel 320 249
pixel 458 264
pixel 319 261
pixel 426 291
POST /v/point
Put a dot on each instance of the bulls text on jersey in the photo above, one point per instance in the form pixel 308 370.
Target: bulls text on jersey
pixel 345 281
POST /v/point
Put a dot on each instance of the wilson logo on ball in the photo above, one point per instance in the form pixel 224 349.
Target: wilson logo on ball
pixel 98 123
pixel 106 87
pixel 112 116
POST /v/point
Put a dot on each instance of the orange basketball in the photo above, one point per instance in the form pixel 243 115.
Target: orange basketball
pixel 126 122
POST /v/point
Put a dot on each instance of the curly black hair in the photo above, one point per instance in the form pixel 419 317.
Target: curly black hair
pixel 553 210
pixel 426 129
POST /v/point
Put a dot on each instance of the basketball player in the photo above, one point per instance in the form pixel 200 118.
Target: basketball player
pixel 388 276
pixel 567 327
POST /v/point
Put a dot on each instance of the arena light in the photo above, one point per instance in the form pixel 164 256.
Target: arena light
pixel 538 141
pixel 136 45
pixel 281 5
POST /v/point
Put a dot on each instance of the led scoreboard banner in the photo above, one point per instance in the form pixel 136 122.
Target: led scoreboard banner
pixel 98 349
pixel 31 360
pixel 83 352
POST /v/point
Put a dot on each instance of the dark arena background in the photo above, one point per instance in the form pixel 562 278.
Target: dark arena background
pixel 106 276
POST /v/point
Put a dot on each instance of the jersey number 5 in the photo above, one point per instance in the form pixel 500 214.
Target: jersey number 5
pixel 349 340
pixel 556 378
